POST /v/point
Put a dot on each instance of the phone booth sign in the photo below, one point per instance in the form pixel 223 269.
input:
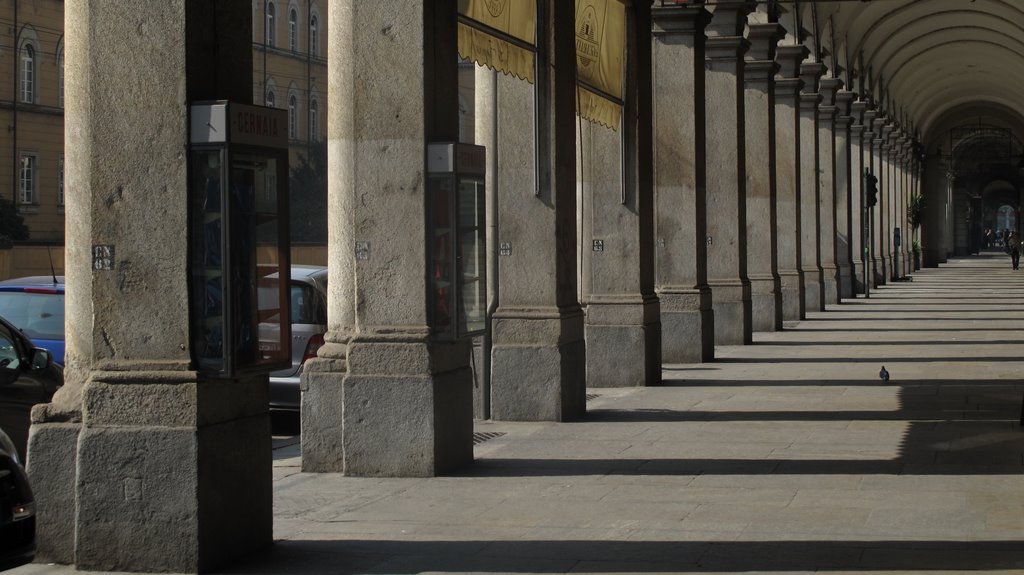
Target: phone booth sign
pixel 457 254
pixel 238 232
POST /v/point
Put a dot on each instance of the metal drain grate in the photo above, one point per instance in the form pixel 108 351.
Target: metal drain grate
pixel 593 396
pixel 482 436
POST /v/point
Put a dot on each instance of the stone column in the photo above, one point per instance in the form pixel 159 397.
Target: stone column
pixel 878 212
pixel 623 328
pixel 788 163
pixel 762 240
pixel 726 160
pixel 130 461
pixel 933 230
pixel 810 193
pixel 827 189
pixel 385 397
pixel 885 200
pixel 845 206
pixel 539 359
pixel 687 319
pixel 858 241
pixel 908 191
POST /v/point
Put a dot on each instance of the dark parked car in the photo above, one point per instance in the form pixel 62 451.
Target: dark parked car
pixel 309 323
pixel 36 305
pixel 17 509
pixel 28 376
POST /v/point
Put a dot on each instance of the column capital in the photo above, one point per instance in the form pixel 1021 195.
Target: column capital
pixel 764 40
pixel 729 17
pixel 811 73
pixel 789 58
pixel 828 88
pixel 678 20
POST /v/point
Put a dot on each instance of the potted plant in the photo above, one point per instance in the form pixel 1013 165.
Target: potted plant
pixel 915 215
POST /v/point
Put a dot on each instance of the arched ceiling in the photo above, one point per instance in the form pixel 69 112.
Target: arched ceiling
pixel 925 60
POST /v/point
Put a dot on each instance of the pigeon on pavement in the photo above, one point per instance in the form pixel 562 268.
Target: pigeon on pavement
pixel 883 375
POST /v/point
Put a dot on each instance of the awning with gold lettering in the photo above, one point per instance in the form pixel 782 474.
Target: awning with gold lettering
pixel 499 34
pixel 600 56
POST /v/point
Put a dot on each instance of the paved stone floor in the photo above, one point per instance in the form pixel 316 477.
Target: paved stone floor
pixel 789 455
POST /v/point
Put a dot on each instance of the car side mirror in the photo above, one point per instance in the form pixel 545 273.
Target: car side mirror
pixel 41 359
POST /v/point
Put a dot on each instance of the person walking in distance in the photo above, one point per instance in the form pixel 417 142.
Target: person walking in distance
pixel 1013 248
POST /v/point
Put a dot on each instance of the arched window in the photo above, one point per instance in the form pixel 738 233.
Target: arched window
pixel 269 34
pixel 271 99
pixel 28 74
pixel 314 120
pixel 293 117
pixel 293 30
pixel 314 37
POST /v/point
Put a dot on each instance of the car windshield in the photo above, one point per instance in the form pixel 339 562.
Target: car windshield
pixel 38 315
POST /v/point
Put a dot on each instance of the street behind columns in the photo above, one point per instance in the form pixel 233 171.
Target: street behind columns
pixel 789 455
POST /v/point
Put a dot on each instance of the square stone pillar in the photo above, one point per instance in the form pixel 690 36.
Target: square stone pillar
pixel 858 217
pixel 687 319
pixel 933 231
pixel 887 191
pixel 385 397
pixel 810 190
pixel 844 200
pixel 538 359
pixel 878 212
pixel 131 460
pixel 726 160
pixel 827 111
pixel 623 325
pixel 906 187
pixel 788 86
pixel 762 236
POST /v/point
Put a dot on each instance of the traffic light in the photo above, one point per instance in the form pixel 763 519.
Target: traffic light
pixel 870 190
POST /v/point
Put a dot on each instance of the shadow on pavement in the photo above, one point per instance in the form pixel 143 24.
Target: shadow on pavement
pixel 408 557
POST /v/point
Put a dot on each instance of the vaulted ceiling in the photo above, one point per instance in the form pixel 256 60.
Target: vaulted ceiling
pixel 929 64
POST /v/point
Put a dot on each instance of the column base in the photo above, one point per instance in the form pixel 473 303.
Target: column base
pixel 830 286
pixel 792 296
pixel 765 304
pixel 731 304
pixel 881 275
pixel 813 291
pixel 389 417
pixel 845 282
pixel 687 326
pixel 623 342
pixel 858 277
pixel 538 365
pixel 152 480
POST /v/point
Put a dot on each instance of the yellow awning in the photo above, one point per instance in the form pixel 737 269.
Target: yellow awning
pixel 600 56
pixel 514 18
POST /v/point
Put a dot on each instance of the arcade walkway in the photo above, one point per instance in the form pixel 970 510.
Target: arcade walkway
pixel 788 455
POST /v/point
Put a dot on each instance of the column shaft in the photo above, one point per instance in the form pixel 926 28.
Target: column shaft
pixel 827 207
pixel 726 159
pixel 788 168
pixel 623 326
pixel 858 243
pixel 845 205
pixel 762 241
pixel 687 319
pixel 810 191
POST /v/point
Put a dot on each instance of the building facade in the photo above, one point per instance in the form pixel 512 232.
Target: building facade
pixel 289 42
pixel 32 104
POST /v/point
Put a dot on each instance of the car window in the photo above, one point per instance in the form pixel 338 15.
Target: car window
pixel 10 356
pixel 307 306
pixel 38 315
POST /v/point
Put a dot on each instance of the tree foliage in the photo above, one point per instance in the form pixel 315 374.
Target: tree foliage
pixel 308 202
pixel 915 211
pixel 12 225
